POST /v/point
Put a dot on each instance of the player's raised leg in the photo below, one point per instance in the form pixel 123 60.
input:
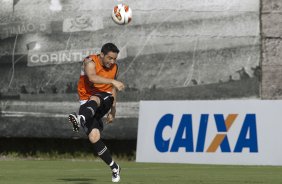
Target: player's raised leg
pixel 86 112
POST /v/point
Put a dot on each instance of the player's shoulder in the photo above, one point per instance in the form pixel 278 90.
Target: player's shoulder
pixel 90 59
pixel 116 66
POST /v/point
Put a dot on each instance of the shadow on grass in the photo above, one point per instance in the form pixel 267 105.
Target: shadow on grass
pixel 78 180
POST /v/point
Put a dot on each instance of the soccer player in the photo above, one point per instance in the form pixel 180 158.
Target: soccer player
pixel 97 90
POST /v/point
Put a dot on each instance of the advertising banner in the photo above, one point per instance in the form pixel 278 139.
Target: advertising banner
pixel 241 132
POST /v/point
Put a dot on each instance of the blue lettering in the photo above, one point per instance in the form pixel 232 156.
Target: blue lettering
pixel 161 144
pixel 184 133
pixel 185 126
pixel 249 125
pixel 220 123
pixel 202 133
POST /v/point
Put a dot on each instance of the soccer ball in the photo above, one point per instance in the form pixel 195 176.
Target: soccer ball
pixel 122 14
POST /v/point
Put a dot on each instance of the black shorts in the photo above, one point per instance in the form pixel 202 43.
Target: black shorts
pixel 106 102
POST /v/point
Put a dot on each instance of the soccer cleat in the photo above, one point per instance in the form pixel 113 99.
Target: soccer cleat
pixel 116 174
pixel 74 120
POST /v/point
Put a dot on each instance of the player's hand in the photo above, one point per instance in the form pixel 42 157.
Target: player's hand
pixel 110 118
pixel 119 85
pixel 111 115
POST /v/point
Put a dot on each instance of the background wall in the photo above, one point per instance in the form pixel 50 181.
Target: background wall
pixel 271 19
pixel 172 50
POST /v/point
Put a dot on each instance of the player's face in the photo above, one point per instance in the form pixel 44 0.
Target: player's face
pixel 109 59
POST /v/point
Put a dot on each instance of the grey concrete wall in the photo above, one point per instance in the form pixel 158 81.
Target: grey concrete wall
pixel 49 119
pixel 57 127
pixel 271 20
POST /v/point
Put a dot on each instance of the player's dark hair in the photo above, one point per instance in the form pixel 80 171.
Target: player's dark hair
pixel 109 47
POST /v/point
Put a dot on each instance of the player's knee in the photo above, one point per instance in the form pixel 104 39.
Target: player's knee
pixel 94 135
pixel 96 99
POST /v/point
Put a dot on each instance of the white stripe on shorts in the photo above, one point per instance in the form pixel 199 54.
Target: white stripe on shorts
pixel 82 102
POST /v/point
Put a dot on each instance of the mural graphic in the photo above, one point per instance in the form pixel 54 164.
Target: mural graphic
pixel 171 50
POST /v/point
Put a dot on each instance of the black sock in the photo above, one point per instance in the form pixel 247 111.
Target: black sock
pixel 103 152
pixel 113 165
pixel 88 109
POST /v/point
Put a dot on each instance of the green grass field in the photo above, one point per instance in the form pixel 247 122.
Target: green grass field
pixel 95 172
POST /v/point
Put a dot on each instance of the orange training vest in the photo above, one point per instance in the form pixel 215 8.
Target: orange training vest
pixel 86 89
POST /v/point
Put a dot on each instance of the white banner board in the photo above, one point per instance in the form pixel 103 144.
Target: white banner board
pixel 241 132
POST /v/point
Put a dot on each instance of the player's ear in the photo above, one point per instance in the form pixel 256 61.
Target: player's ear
pixel 102 55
